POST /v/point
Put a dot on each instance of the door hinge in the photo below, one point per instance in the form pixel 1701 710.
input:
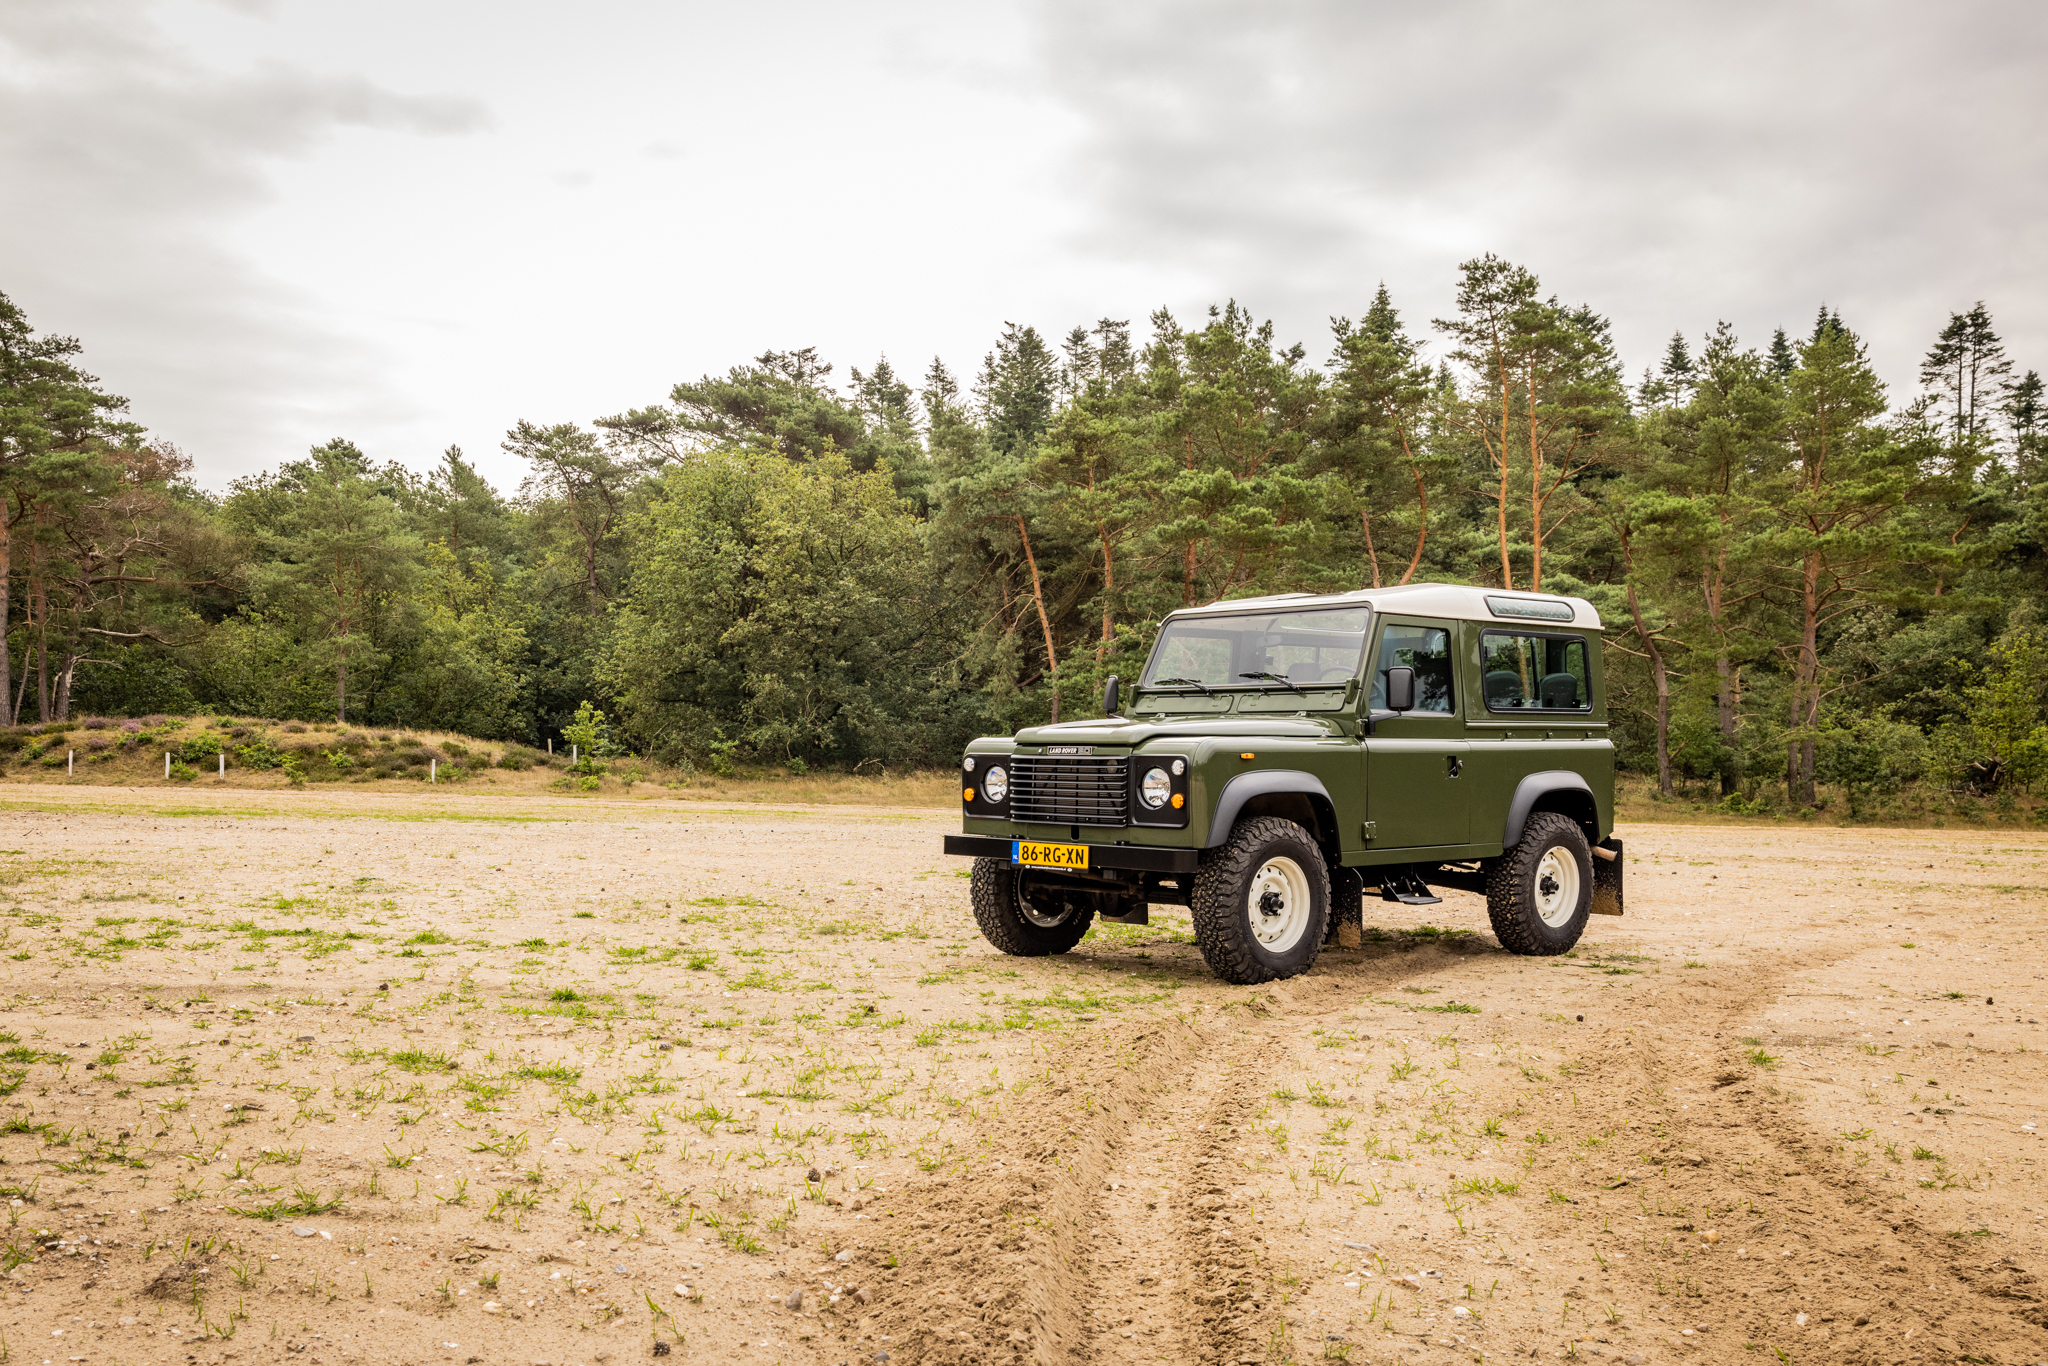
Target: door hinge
pixel 1368 829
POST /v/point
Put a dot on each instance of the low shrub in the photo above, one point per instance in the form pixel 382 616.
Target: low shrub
pixel 259 753
pixel 200 747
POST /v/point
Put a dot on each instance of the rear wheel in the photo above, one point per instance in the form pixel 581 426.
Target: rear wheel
pixel 1261 903
pixel 1539 893
pixel 1025 918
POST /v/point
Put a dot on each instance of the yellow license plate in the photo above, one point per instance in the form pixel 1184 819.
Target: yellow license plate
pixel 1048 855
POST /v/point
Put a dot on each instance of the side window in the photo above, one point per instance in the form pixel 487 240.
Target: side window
pixel 1529 672
pixel 1425 649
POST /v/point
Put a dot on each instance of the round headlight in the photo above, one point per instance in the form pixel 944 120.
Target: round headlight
pixel 967 764
pixel 995 784
pixel 1155 788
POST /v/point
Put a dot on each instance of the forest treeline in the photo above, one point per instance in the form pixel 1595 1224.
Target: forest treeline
pixel 1809 580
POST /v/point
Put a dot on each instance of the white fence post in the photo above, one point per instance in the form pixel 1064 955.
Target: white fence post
pixel 167 763
pixel 70 762
pixel 433 770
pixel 575 756
pixel 551 746
pixel 223 757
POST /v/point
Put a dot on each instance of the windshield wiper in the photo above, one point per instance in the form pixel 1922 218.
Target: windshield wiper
pixel 1276 678
pixel 1180 683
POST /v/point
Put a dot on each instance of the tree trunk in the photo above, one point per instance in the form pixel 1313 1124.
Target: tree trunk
pixel 341 690
pixel 1535 494
pixel 42 613
pixel 1507 570
pixel 1421 516
pixel 1108 595
pixel 6 603
pixel 1724 696
pixel 1371 556
pixel 64 676
pixel 1806 688
pixel 1663 681
pixel 1052 659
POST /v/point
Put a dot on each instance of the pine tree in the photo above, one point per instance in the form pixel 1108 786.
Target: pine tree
pixel 2023 415
pixel 1840 536
pixel 1019 385
pixel 340 562
pixel 1375 426
pixel 1967 367
pixel 1783 360
pixel 1546 385
pixel 55 420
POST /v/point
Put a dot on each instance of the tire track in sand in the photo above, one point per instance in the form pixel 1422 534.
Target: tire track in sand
pixel 1824 1268
pixel 1024 1252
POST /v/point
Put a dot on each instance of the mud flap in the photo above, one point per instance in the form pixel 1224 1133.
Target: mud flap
pixel 1607 878
pixel 1347 907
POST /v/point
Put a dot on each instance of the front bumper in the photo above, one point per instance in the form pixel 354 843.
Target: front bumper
pixel 1138 857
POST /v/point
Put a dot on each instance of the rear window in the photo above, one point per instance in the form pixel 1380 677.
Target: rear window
pixel 1534 671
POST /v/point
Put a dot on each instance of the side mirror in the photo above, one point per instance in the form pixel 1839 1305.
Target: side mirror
pixel 1112 694
pixel 1400 688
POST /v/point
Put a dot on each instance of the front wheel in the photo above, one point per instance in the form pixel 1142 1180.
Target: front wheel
pixel 1261 903
pixel 1024 918
pixel 1539 893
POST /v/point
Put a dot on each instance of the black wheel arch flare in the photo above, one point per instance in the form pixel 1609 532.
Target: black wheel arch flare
pixel 1559 790
pixel 1273 782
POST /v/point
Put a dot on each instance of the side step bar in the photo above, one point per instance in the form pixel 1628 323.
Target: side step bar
pixel 1405 885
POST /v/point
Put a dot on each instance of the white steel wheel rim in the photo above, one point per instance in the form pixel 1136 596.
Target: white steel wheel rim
pixel 1557 886
pixel 1278 904
pixel 1038 917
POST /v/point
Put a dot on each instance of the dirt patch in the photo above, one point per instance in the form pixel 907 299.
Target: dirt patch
pixel 350 1077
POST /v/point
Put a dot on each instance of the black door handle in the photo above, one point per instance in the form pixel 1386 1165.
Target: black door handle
pixel 1453 765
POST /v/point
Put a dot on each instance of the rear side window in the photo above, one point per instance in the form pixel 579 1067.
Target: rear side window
pixel 1534 671
pixel 1425 649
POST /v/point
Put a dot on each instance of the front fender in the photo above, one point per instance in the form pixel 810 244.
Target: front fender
pixel 1246 786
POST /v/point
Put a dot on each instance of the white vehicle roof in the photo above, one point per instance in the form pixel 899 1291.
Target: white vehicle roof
pixel 1452 600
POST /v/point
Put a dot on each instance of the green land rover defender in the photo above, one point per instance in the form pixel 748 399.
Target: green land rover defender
pixel 1281 755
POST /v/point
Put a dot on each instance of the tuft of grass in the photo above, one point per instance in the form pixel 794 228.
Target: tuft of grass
pixel 419 1060
pixel 1761 1058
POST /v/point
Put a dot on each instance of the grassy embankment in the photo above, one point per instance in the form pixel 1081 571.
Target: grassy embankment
pixel 286 754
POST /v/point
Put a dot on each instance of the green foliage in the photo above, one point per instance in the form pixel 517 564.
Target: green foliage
pixel 259 753
pixel 1815 589
pixel 591 733
pixel 201 747
pixel 780 610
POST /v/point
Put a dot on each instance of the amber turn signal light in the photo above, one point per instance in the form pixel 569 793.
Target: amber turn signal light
pixel 1247 756
pixel 967 795
pixel 1178 801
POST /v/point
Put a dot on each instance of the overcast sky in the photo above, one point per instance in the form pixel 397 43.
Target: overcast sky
pixel 412 223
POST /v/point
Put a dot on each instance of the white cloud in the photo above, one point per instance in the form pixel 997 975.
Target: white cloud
pixel 130 163
pixel 1670 164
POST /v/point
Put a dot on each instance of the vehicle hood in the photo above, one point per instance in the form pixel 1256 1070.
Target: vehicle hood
pixel 1121 733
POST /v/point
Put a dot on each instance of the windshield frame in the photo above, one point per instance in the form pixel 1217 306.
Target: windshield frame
pixel 1257 685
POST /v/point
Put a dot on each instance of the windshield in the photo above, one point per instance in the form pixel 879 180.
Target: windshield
pixel 1260 649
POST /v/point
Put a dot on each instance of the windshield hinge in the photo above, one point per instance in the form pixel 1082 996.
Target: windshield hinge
pixel 1368 829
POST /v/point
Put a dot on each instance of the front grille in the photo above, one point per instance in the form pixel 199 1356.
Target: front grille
pixel 1053 791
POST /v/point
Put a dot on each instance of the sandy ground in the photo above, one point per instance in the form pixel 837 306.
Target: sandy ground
pixel 334 1076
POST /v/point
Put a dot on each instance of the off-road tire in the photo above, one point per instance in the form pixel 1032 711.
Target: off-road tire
pixel 996 896
pixel 1223 902
pixel 1513 897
